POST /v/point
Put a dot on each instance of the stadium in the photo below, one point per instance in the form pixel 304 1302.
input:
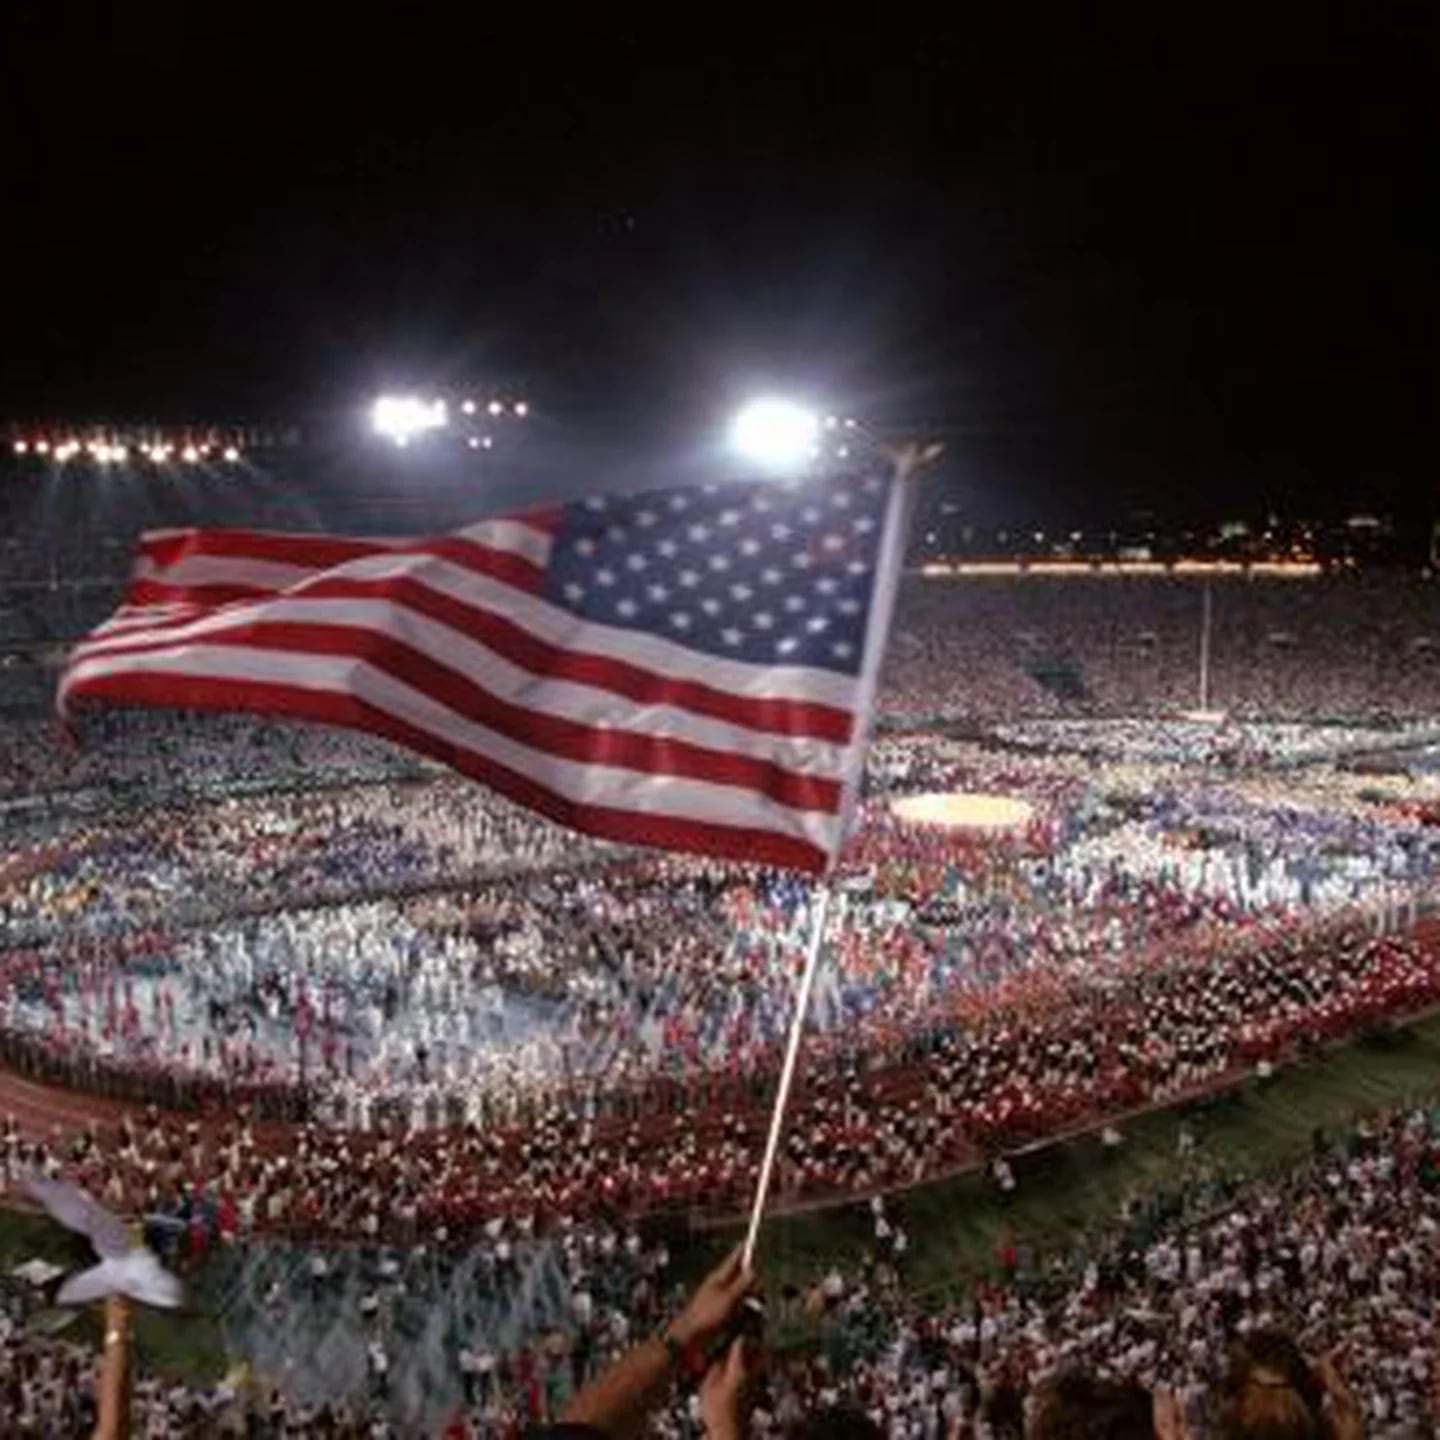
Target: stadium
pixel 1123 1036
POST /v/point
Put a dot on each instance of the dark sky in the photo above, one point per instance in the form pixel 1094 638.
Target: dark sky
pixel 1120 257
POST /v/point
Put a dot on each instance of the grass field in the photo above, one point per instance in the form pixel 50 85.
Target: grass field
pixel 1065 1192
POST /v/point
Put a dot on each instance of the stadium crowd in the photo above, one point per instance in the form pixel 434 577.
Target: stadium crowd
pixel 377 1004
pixel 480 1014
pixel 998 648
pixel 1202 1296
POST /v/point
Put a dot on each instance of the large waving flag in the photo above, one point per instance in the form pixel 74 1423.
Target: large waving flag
pixel 693 669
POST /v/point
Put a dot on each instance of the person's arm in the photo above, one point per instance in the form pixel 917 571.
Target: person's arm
pixel 618 1400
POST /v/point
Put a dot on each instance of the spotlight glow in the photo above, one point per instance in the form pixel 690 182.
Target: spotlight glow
pixel 521 409
pixel 468 407
pixel 42 447
pixel 399 417
pixel 231 454
pixel 120 454
pixel 190 455
pixel 20 447
pixel 776 435
pixel 495 408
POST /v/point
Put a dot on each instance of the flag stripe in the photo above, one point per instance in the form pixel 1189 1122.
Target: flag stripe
pixel 502 638
pixel 591 744
pixel 387 621
pixel 524 534
pixel 322 688
pixel 211 579
pixel 551 625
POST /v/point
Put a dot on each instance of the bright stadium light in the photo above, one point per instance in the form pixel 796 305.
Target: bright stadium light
pixel 20 447
pixel 495 408
pixel 777 435
pixel 468 407
pixel 120 454
pixel 42 447
pixel 521 409
pixel 231 454
pixel 398 417
pixel 190 455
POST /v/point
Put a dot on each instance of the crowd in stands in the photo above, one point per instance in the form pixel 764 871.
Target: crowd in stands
pixel 1347 644
pixel 489 1018
pixel 1224 1305
pixel 373 1002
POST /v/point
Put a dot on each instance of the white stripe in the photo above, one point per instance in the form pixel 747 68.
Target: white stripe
pixel 237 570
pixel 558 627
pixel 586 783
pixel 139 617
pixel 572 700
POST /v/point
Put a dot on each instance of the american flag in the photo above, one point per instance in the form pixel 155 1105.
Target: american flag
pixel 689 668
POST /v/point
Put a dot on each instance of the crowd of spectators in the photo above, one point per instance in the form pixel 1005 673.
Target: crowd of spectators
pixel 486 1017
pixel 1196 1295
pixel 998 648
pixel 372 1001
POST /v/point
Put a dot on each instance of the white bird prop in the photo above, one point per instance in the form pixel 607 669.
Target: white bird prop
pixel 124 1269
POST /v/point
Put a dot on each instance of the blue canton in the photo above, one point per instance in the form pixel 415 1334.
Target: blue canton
pixel 767 573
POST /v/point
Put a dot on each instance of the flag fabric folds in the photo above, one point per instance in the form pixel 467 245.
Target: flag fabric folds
pixel 693 669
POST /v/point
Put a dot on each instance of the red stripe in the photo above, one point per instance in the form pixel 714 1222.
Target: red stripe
pixel 554 734
pixel 502 565
pixel 729 842
pixel 314 552
pixel 805 719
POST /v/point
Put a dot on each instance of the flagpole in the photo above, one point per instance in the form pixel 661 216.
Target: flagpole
pixel 787 1070
pixel 907 460
pixel 114 1422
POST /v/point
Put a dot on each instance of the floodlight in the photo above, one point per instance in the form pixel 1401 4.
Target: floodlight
pixel 398 417
pixel 775 434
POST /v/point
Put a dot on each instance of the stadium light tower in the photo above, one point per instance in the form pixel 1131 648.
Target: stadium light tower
pixel 401 417
pixel 777 435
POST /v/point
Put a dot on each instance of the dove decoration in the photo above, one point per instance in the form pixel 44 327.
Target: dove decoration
pixel 125 1268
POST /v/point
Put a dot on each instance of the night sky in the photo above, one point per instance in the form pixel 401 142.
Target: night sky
pixel 1120 261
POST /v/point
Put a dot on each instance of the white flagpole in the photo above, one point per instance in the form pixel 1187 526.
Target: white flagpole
pixel 787 1070
pixel 907 460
